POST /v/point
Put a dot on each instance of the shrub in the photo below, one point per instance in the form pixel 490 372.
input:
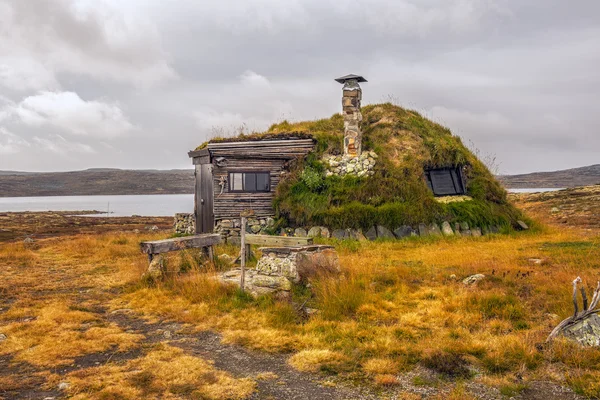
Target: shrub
pixel 450 365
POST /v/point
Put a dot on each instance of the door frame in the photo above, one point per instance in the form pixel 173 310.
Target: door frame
pixel 204 198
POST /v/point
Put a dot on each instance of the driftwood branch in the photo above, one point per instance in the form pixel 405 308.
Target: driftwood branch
pixel 578 316
pixel 575 282
pixel 584 298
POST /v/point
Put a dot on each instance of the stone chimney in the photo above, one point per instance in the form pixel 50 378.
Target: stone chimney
pixel 352 95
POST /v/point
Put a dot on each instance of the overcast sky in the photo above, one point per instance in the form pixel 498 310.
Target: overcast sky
pixel 138 83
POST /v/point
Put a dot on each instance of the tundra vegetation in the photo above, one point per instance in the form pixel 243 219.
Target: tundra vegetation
pixel 399 318
pixel 406 143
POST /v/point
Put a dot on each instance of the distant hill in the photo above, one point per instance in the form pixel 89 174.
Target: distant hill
pixel 105 181
pixel 567 178
pixel 97 181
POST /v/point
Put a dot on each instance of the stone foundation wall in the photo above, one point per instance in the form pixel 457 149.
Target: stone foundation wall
pixel 232 227
pixel 184 224
pixel 361 165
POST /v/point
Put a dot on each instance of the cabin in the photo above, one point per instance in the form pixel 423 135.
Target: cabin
pixel 238 174
pixel 233 176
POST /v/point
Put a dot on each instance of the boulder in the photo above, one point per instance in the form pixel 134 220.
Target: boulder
pixel 300 232
pixel 403 231
pixel 226 223
pixel 156 269
pixel 473 279
pixel 464 226
pixel 340 234
pixel 270 222
pixel 434 230
pixel 226 258
pixel 356 234
pixel 271 282
pixel 371 234
pixel 494 229
pixel 447 229
pixel 313 232
pixel 2 337
pixel 522 225
pixel 476 232
pixel 383 232
pixel 255 228
pixel 585 332
pixel 325 232
pixel 423 231
pixel 311 264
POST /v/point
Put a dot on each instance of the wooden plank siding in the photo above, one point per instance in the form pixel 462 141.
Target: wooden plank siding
pixel 231 204
pixel 251 156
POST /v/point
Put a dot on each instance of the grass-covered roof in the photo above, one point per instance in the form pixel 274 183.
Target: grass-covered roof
pixel 406 143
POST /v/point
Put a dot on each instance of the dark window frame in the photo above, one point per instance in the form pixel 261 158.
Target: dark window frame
pixel 230 181
pixel 460 187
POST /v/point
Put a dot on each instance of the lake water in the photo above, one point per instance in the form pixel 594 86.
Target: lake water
pixel 156 205
pixel 534 190
pixel 119 206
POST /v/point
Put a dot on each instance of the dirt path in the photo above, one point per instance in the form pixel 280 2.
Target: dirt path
pixel 285 382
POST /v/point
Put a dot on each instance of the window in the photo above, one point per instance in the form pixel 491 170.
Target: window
pixel 249 181
pixel 445 181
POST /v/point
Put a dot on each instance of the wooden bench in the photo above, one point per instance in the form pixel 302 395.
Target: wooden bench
pixel 204 241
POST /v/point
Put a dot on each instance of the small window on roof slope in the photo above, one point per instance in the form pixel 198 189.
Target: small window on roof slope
pixel 445 181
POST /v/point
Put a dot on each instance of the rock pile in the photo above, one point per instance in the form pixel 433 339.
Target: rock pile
pixel 279 267
pixel 347 165
pixel 184 224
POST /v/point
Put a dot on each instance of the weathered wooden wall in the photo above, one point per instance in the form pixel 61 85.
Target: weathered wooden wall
pixel 230 204
pixel 255 156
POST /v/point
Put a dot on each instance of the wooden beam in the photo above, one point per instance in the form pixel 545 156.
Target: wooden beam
pixel 275 241
pixel 199 153
pixel 187 242
pixel 261 143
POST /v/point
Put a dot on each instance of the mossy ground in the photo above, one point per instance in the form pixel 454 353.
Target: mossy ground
pixel 406 143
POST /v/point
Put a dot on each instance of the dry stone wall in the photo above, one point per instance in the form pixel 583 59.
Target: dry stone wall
pixel 361 165
pixel 279 267
pixel 184 224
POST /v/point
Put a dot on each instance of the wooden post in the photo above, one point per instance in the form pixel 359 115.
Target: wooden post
pixel 243 254
pixel 244 214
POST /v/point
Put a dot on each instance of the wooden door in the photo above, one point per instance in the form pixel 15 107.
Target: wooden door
pixel 204 195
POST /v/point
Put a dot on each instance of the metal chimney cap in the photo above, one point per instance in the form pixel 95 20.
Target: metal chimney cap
pixel 343 79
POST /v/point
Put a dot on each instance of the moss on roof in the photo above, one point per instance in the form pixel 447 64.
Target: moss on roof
pixel 397 193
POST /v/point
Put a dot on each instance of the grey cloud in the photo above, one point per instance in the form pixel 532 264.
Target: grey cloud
pixel 518 78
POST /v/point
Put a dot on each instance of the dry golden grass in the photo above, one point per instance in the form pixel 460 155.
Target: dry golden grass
pixel 314 359
pixel 164 372
pixel 57 334
pixel 398 304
